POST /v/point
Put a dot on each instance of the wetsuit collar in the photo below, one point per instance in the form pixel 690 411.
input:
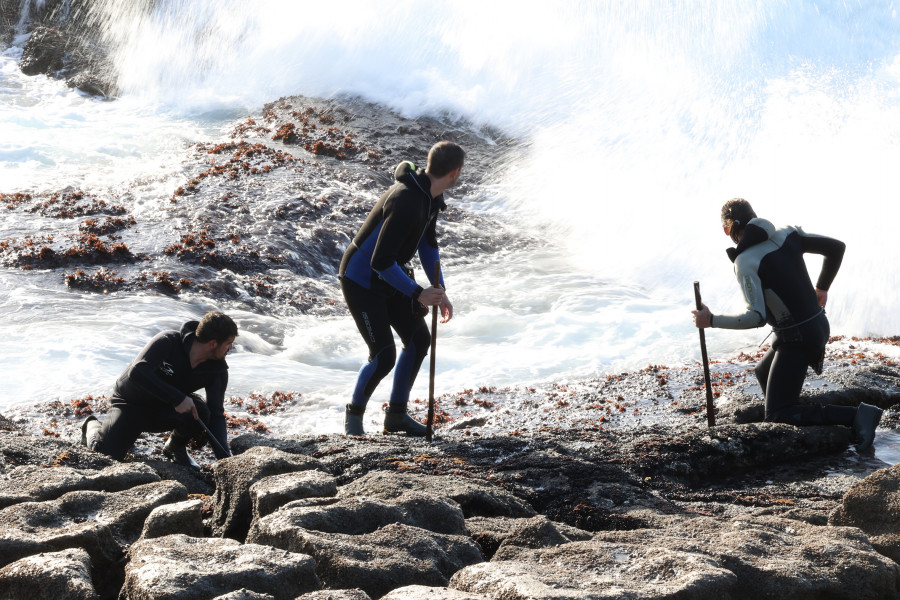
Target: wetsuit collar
pixel 407 173
pixel 754 234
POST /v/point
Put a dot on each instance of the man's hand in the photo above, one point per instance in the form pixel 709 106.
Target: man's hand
pixel 446 309
pixel 702 317
pixel 432 296
pixel 822 297
pixel 187 405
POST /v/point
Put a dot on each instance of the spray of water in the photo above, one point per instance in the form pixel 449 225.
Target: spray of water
pixel 641 117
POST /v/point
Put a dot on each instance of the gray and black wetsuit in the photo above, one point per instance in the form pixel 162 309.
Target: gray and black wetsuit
pixel 769 266
pixel 147 392
pixel 380 292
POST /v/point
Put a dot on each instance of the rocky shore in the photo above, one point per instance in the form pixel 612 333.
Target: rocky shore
pixel 490 510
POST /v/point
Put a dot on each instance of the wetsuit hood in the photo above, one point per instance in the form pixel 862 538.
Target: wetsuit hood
pixel 188 331
pixel 757 231
pixel 416 179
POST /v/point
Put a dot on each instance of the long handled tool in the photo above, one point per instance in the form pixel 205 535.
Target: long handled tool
pixel 213 439
pixel 429 422
pixel 710 409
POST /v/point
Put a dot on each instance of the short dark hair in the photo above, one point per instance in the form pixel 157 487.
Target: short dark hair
pixel 736 213
pixel 444 157
pixel 215 326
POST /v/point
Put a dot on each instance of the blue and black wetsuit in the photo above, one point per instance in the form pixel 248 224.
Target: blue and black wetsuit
pixel 768 263
pixel 156 381
pixel 379 289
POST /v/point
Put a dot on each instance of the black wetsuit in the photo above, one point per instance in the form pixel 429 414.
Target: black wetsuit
pixel 380 292
pixel 147 392
pixel 769 265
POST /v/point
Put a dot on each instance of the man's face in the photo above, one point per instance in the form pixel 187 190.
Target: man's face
pixel 457 173
pixel 222 348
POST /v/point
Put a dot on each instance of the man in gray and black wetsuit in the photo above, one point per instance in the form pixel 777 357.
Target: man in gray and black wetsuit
pixel 769 266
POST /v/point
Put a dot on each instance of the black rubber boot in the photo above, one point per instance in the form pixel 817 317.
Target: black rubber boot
pixel 89 430
pixel 176 450
pixel 864 424
pixel 353 420
pixel 396 420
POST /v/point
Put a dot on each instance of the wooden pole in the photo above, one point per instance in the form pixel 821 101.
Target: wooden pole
pixel 710 409
pixel 429 422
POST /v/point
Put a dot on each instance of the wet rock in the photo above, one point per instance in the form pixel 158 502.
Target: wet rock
pixel 773 557
pixel 16 450
pixel 270 493
pixel 160 567
pixel 234 477
pixel 197 482
pixel 878 385
pixel 93 84
pixel 598 569
pixel 63 575
pixel 244 594
pixel 355 594
pixel 96 521
pixel 44 52
pixel 492 532
pixel 393 556
pixel 360 515
pixel 26 533
pixel 180 517
pixel 741 409
pixel 729 449
pixel 7 425
pixel 64 41
pixel 474 498
pixel 31 483
pixel 421 592
pixel 537 532
pixel 873 505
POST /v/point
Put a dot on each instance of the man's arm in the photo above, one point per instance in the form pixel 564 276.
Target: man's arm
pixel 833 252
pixel 215 400
pixel 397 226
pixel 753 316
pixel 142 373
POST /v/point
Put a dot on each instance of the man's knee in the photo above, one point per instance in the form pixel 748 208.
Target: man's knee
pixel 384 361
pixel 421 341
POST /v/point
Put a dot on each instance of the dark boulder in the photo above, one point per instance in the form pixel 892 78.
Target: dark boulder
pixel 44 52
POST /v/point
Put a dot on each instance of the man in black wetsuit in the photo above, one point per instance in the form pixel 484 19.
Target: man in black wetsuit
pixel 769 266
pixel 156 392
pixel 381 292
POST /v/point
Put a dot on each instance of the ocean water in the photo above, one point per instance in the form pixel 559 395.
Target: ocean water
pixel 639 120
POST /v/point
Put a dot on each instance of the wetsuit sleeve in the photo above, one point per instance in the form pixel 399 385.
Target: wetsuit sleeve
pixel 428 254
pixel 755 315
pixel 833 252
pixel 215 400
pixel 142 373
pixel 398 224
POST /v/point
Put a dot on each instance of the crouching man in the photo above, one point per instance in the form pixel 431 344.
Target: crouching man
pixel 156 393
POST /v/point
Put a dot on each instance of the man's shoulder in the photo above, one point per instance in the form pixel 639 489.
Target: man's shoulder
pixel 167 336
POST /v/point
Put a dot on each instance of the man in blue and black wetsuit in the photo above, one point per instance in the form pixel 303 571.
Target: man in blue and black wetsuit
pixel 769 266
pixel 381 292
pixel 156 392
